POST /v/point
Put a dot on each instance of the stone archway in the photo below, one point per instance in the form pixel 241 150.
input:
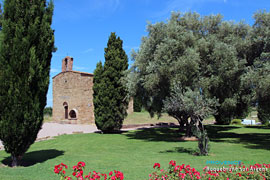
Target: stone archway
pixel 65 104
pixel 73 114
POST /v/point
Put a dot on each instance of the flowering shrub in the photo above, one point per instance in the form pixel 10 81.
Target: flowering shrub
pixel 174 172
pixel 78 173
pixel 185 172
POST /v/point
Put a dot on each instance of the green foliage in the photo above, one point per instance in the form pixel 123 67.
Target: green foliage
pixel 194 106
pixel 47 111
pixel 197 52
pixel 1 17
pixel 137 104
pixel 191 103
pixel 264 109
pixel 26 51
pixel 236 122
pixel 259 72
pixel 261 68
pixel 110 95
pixel 1 20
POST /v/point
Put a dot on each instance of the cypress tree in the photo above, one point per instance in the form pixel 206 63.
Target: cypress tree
pixel 98 88
pixel 25 58
pixel 110 95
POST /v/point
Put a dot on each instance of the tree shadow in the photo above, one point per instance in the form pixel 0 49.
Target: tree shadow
pixel 181 150
pixel 249 140
pixel 156 134
pixel 34 157
pixel 216 133
pixel 168 134
pixel 214 129
pixel 258 127
pixel 111 132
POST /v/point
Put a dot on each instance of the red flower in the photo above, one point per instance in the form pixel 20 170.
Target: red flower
pixel 110 173
pixel 156 165
pixel 64 165
pixel 173 163
pixel 81 164
pixel 58 168
pixel 119 175
pixel 56 171
pixel 105 176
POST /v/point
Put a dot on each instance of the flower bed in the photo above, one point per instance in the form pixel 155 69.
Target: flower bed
pixel 185 172
pixel 174 172
pixel 79 174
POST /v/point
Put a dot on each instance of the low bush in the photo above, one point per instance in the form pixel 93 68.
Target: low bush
pixel 236 122
pixel 47 111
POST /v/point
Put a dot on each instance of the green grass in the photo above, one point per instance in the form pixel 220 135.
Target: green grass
pixel 144 118
pixel 137 118
pixel 135 152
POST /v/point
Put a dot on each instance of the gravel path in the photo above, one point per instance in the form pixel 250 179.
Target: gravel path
pixel 50 130
pixel 55 129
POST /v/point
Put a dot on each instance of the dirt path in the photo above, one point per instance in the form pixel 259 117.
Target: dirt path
pixel 50 130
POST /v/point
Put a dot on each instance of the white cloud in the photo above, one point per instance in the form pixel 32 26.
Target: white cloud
pixel 78 68
pixel 108 4
pixel 129 48
pixel 54 70
pixel 181 5
pixel 88 50
pixel 59 55
pixel 85 8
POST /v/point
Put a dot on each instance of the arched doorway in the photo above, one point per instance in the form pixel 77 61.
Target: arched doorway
pixel 73 114
pixel 65 104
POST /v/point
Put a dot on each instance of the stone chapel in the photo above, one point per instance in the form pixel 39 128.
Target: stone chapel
pixel 73 95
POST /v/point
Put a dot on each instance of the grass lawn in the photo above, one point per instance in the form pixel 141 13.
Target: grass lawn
pixel 144 118
pixel 135 152
pixel 137 118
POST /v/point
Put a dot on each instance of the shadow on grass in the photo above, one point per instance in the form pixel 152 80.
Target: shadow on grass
pixel 32 158
pixel 216 133
pixel 111 132
pixel 249 139
pixel 156 134
pixel 258 127
pixel 168 134
pixel 181 150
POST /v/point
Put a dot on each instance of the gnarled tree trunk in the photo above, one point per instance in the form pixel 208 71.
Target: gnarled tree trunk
pixel 16 160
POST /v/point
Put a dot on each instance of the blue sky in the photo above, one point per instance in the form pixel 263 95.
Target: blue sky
pixel 82 27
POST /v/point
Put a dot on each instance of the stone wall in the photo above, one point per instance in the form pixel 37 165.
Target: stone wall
pixel 74 88
pixel 67 64
pixel 73 94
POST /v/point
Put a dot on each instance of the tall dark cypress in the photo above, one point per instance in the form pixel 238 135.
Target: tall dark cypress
pixel 25 58
pixel 110 95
